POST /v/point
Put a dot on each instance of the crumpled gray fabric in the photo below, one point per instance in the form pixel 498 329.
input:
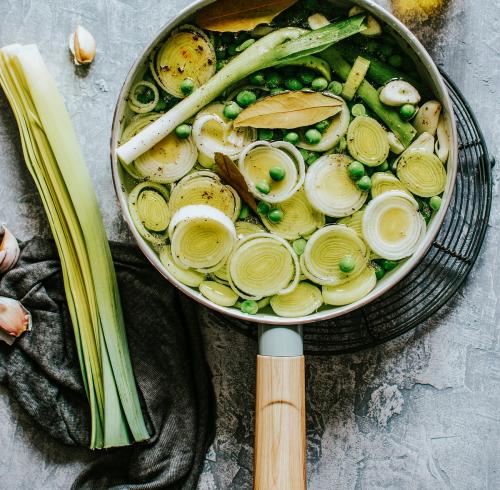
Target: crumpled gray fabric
pixel 42 373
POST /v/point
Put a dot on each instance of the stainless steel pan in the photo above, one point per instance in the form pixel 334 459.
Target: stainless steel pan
pixel 280 413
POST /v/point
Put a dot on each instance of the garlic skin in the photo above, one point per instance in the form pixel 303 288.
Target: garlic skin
pixel 82 46
pixel 15 319
pixel 9 250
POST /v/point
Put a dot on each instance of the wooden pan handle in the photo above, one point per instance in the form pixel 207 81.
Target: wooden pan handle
pixel 280 428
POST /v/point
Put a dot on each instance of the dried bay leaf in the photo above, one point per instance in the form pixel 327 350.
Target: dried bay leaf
pixel 289 110
pixel 232 176
pixel 235 15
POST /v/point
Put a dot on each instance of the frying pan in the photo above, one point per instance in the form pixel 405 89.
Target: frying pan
pixel 280 437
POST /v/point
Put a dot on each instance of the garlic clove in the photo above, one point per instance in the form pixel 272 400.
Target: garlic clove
pixel 82 46
pixel 9 250
pixel 398 92
pixel 15 319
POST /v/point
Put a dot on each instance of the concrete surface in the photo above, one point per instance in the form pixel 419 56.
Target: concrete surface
pixel 421 412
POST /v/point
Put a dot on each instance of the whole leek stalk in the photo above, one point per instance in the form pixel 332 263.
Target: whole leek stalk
pixel 54 159
pixel 279 47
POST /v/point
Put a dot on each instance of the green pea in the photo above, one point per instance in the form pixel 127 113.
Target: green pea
pixel 183 131
pixel 383 167
pixel 312 136
pixel 246 98
pixel 335 87
pixel 306 77
pixel 273 79
pixel 313 156
pixel 364 183
pixel 187 86
pixel 407 111
pixel 299 245
pixel 275 215
pixel 293 84
pixel 160 106
pixel 263 186
pixel 319 83
pixel 263 207
pixel 232 110
pixel 249 306
pixel 257 78
pixel 277 90
pixel 396 60
pixel 358 110
pixel 347 264
pixel 435 203
pixel 379 270
pixel 244 212
pixel 244 45
pixel 292 137
pixel 265 134
pixel 386 50
pixel 388 265
pixel 322 126
pixel 304 153
pixel 356 170
pixel 277 173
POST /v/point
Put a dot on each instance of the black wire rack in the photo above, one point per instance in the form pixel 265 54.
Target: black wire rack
pixel 440 274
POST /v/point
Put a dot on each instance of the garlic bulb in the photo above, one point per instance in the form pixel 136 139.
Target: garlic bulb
pixel 15 319
pixel 82 46
pixel 9 250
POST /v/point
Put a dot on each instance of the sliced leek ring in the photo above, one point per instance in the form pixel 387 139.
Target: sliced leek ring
pixel 385 181
pixel 422 173
pixel 367 141
pixel 218 293
pixel 303 300
pixel 299 218
pixel 141 107
pixel 258 158
pixel 354 221
pixel 149 209
pixel 202 237
pixel 336 130
pixel 329 188
pixel 221 275
pixel 187 53
pixel 245 228
pixel 324 251
pixel 189 277
pixel 214 133
pixel 350 291
pixel 205 187
pixel 263 265
pixel 392 225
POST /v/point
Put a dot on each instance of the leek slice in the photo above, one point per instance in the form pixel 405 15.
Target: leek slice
pixel 218 293
pixel 214 133
pixel 350 291
pixel 422 173
pixel 303 300
pixel 169 160
pixel 299 218
pixel 148 206
pixel 258 158
pixel 367 141
pixel 245 228
pixel 263 265
pixel 329 188
pixel 189 277
pixel 324 251
pixel 187 53
pixel 392 225
pixel 385 181
pixel 336 130
pixel 202 237
pixel 354 221
pixel 205 187
pixel 138 106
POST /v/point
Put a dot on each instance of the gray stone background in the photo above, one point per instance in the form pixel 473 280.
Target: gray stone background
pixel 421 412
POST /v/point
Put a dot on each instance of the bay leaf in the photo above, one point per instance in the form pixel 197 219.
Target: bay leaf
pixel 232 176
pixel 235 15
pixel 289 110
